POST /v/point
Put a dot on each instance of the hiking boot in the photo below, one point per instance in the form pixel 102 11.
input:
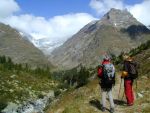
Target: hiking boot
pixel 103 109
pixel 131 104
pixel 112 110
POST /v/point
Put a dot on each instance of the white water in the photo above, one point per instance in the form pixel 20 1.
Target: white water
pixel 36 106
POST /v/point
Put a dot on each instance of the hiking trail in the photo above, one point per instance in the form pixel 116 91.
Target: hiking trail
pixel 87 100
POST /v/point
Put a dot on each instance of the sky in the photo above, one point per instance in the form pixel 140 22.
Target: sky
pixel 54 21
pixel 50 8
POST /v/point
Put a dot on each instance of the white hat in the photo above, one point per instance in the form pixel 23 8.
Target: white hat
pixel 106 57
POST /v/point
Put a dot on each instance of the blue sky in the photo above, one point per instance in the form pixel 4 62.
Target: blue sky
pixel 52 22
pixel 50 8
pixel 131 2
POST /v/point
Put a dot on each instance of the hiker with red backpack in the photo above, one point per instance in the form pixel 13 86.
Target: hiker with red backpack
pixel 106 73
pixel 129 73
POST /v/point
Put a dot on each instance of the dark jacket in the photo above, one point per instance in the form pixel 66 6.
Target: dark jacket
pixel 126 67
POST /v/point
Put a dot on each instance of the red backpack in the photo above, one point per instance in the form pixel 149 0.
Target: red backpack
pixel 99 71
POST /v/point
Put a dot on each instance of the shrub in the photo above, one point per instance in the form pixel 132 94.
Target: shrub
pixel 2 105
pixel 57 92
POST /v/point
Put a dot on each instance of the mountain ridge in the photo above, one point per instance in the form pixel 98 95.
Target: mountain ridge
pixel 98 37
pixel 14 45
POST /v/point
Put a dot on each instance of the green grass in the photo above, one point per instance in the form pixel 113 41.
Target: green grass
pixel 20 87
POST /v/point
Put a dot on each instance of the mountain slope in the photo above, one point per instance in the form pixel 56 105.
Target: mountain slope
pixel 117 31
pixel 87 99
pixel 12 44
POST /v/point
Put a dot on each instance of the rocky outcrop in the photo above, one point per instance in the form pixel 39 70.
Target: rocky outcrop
pixel 35 106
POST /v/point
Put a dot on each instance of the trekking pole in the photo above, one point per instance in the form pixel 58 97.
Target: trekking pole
pixel 136 88
pixel 119 89
pixel 122 95
pixel 136 84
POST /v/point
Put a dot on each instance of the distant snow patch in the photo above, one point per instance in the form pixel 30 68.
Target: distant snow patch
pixel 21 33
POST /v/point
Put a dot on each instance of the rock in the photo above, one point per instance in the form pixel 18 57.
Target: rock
pixel 17 101
pixel 12 76
pixel 139 95
pixel 142 92
pixel 144 77
pixel 11 90
pixel 51 94
pixel 11 108
pixel 30 106
pixel 36 106
pixel 27 108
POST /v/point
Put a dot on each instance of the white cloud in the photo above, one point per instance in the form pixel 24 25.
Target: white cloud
pixel 56 27
pixel 8 7
pixel 140 11
pixel 103 6
pixel 67 25
pixel 55 30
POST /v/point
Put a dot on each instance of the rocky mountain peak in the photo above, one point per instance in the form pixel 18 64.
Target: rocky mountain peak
pixel 116 18
pixel 119 18
pixel 117 31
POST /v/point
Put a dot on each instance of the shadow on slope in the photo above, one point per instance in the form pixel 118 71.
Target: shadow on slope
pixel 119 102
pixel 135 30
pixel 96 103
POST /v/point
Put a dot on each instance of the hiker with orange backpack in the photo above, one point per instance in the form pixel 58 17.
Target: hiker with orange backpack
pixel 106 73
pixel 129 73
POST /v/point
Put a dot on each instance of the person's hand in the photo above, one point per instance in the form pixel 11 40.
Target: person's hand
pixel 122 77
pixel 124 74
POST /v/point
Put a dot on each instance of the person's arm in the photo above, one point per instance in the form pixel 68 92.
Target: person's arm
pixel 114 78
pixel 125 70
pixel 99 71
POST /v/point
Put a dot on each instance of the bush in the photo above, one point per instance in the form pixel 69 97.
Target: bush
pixel 6 64
pixel 40 96
pixel 2 105
pixel 83 76
pixel 75 77
pixel 57 92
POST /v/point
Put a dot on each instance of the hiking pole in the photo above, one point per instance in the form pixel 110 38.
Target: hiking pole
pixel 122 95
pixel 119 88
pixel 136 88
pixel 136 84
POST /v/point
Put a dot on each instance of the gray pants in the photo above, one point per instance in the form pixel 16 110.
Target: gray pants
pixel 103 102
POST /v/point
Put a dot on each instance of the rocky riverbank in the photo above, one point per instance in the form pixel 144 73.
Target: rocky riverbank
pixel 31 106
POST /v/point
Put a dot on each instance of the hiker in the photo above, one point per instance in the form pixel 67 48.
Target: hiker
pixel 129 73
pixel 106 73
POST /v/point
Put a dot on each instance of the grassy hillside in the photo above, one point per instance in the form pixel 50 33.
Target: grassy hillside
pixel 19 83
pixel 86 99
